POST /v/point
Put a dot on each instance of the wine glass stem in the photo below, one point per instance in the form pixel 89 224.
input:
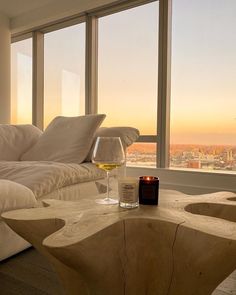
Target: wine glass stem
pixel 108 186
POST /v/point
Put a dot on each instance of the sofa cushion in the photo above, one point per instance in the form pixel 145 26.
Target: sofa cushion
pixel 16 140
pixel 128 135
pixel 66 140
pixel 15 196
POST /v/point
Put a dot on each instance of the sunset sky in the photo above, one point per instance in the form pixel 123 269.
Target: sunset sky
pixel 203 102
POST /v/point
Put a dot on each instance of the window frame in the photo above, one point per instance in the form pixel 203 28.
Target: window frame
pixel 162 158
pixel 38 63
pixel 91 76
pixel 91 62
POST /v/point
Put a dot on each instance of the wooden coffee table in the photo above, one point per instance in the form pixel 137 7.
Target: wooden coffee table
pixel 186 245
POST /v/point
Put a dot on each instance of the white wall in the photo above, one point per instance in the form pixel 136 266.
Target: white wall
pixel 5 41
pixel 53 11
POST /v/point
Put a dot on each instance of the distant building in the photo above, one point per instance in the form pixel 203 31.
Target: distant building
pixel 194 164
pixel 229 156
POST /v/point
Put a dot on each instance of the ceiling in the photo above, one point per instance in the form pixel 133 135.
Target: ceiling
pixel 26 15
pixel 13 8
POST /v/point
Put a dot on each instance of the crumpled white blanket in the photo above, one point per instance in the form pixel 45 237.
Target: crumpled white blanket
pixel 43 177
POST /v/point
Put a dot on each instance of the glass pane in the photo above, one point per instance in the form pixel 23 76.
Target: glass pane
pixel 64 79
pixel 127 68
pixel 21 82
pixel 203 104
pixel 141 154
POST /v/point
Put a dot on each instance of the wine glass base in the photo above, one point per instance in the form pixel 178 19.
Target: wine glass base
pixel 107 201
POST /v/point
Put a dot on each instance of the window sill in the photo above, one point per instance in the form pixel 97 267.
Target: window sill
pixel 189 181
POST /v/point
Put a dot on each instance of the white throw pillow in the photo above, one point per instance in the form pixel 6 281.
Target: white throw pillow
pixel 66 140
pixel 128 135
pixel 16 140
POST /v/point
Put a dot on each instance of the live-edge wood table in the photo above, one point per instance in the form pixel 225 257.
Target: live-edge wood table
pixel 185 246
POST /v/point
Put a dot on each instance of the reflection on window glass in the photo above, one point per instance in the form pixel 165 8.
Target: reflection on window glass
pixel 127 68
pixel 64 78
pixel 21 82
pixel 203 104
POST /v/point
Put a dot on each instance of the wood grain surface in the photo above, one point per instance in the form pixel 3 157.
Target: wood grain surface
pixel 186 245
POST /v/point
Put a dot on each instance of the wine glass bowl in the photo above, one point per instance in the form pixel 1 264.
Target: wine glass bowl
pixel 108 154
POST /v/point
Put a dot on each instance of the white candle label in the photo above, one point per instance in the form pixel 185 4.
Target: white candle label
pixel 128 193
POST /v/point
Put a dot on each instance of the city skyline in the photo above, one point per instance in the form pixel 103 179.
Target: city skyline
pixel 185 156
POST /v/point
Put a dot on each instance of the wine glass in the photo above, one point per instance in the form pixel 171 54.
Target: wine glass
pixel 108 154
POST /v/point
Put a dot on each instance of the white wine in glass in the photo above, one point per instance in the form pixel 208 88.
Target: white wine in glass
pixel 108 154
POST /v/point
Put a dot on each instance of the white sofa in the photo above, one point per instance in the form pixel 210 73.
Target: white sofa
pixel 56 163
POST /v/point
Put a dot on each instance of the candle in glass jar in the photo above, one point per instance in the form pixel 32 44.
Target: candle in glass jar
pixel 148 190
pixel 128 192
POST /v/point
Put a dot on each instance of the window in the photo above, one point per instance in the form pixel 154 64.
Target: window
pixel 203 71
pixel 142 154
pixel 21 82
pixel 203 104
pixel 64 72
pixel 127 75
